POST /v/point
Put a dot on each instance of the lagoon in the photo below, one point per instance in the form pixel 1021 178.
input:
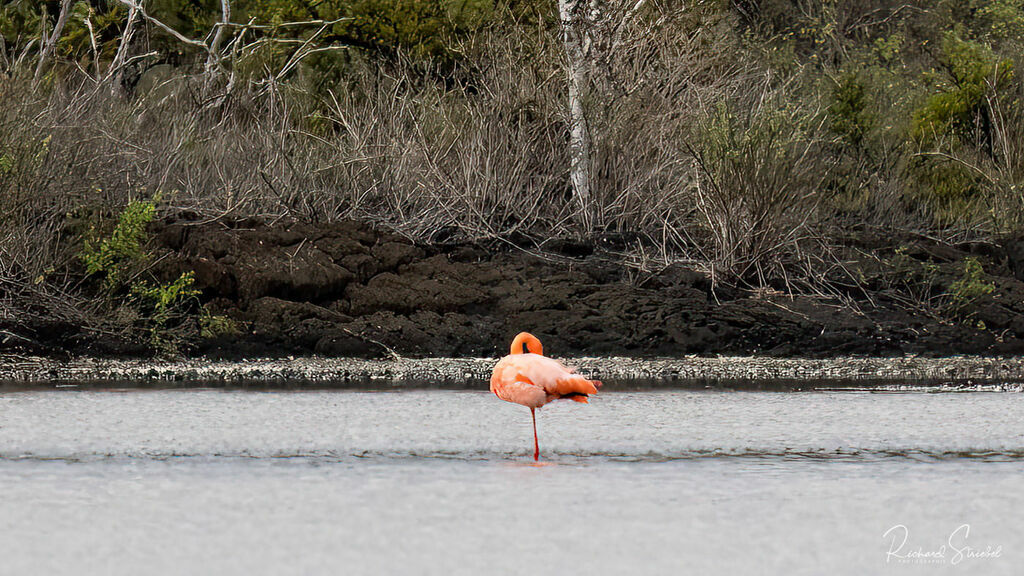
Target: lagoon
pixel 128 481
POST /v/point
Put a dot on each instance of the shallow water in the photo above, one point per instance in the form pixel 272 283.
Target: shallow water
pixel 441 482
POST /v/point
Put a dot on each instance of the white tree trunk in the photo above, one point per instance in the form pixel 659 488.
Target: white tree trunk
pixel 214 57
pixel 116 69
pixel 51 43
pixel 573 39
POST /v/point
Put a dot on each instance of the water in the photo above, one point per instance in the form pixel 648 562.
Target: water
pixel 441 482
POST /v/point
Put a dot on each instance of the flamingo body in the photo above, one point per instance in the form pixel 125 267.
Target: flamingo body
pixel 529 378
pixel 534 380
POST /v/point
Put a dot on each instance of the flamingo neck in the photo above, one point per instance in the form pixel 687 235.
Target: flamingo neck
pixel 531 342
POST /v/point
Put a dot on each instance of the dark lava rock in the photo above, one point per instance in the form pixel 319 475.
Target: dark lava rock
pixel 347 289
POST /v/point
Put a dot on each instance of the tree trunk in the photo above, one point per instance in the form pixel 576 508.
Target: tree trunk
pixel 116 70
pixel 51 43
pixel 214 57
pixel 571 12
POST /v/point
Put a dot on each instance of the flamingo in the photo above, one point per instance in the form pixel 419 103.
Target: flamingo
pixel 529 378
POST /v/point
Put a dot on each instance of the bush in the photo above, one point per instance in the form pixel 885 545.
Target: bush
pixel 851 112
pixel 215 326
pixel 114 256
pixel 164 304
pixel 120 257
pixel 969 289
pixel 960 110
pixel 999 19
pixel 758 188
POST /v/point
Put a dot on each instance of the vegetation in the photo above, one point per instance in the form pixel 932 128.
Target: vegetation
pixel 122 259
pixel 741 136
pixel 113 256
pixel 971 287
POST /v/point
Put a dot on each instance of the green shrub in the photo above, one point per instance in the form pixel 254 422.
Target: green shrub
pixel 958 111
pixel 887 49
pixel 163 298
pixel 215 325
pixel 971 287
pixel 20 20
pixel 957 129
pixel 112 256
pixel 1001 19
pixel 951 189
pixel 76 42
pixel 193 18
pixel 163 308
pixel 851 114
pixel 164 303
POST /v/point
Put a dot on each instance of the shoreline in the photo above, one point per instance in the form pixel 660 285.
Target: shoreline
pixel 472 373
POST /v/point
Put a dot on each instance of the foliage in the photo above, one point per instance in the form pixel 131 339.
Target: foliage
pixel 164 297
pixel 1000 19
pixel 112 256
pixel 424 27
pixel 851 113
pixel 93 22
pixel 162 304
pixel 958 127
pixel 192 18
pixel 970 288
pixel 119 257
pixel 421 28
pixel 971 75
pixel 19 20
pixel 216 325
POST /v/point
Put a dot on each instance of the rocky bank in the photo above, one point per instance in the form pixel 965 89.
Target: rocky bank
pixel 349 290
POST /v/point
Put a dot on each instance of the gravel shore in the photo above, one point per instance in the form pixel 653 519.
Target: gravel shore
pixel 475 372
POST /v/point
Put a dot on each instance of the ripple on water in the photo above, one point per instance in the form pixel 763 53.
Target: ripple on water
pixel 464 425
pixel 557 457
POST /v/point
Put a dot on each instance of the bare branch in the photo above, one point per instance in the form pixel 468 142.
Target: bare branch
pixel 131 4
pixel 117 66
pixel 51 42
pixel 92 43
pixel 214 57
pixel 302 52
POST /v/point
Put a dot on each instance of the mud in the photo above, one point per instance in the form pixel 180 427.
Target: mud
pixel 347 289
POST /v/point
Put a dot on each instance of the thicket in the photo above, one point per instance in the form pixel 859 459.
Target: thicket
pixel 739 136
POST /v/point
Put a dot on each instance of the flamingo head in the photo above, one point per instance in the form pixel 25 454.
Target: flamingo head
pixel 526 342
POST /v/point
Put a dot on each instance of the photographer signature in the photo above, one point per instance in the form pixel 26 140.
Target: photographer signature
pixel 954 551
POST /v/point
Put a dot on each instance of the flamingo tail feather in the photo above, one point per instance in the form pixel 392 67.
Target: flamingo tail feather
pixel 575 384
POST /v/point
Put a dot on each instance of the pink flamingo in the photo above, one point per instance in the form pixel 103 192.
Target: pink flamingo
pixel 529 378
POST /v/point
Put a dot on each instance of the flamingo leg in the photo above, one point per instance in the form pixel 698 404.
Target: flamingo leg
pixel 536 445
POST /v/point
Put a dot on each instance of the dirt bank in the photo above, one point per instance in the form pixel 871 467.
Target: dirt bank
pixel 349 290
